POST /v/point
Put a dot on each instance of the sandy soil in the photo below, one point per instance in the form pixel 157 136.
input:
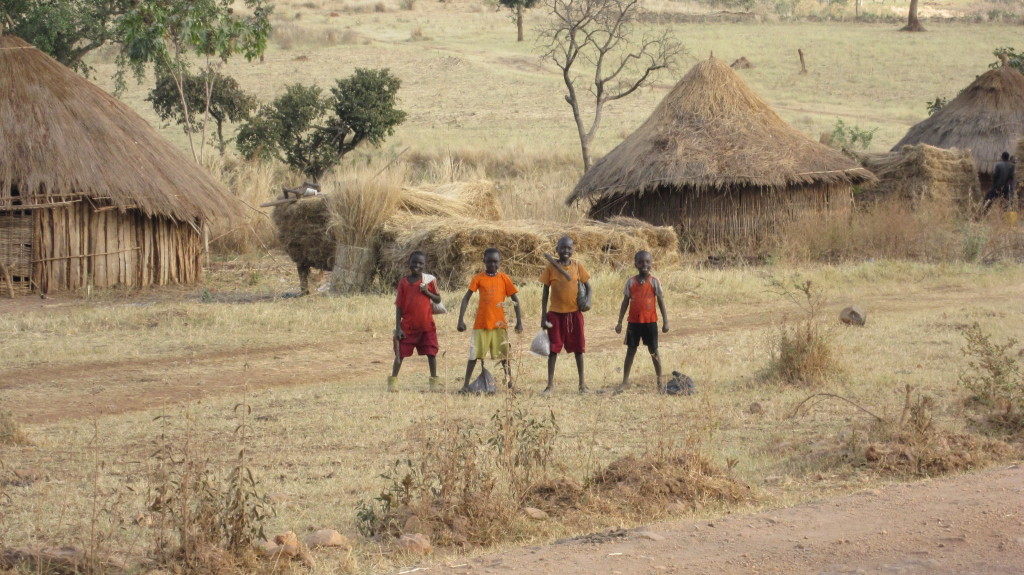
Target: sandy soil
pixel 971 524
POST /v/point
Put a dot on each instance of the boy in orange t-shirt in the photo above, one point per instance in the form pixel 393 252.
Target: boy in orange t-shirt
pixel 490 330
pixel 563 319
pixel 642 291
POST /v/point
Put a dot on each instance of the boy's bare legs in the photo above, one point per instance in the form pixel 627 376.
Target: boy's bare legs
pixel 552 359
pixel 627 366
pixel 470 366
pixel 396 366
pixel 432 363
pixel 507 367
pixel 656 359
pixel 579 370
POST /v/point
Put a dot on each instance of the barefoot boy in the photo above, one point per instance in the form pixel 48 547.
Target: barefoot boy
pixel 414 320
pixel 563 319
pixel 642 290
pixel 490 330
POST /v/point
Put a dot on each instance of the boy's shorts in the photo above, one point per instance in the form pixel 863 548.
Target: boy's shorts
pixel 566 332
pixel 488 341
pixel 642 332
pixel 424 342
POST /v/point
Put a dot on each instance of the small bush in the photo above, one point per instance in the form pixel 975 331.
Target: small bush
pixel 994 379
pixel 469 483
pixel 802 354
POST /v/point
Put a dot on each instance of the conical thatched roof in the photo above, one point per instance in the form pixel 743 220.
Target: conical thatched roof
pixel 987 118
pixel 61 136
pixel 713 132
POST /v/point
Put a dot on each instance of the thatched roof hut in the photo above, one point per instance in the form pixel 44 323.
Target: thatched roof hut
pixel 987 118
pixel 90 193
pixel 714 161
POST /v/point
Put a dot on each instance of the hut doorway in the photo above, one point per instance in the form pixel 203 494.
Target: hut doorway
pixel 16 227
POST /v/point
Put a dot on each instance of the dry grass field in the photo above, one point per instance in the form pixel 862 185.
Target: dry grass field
pixel 111 392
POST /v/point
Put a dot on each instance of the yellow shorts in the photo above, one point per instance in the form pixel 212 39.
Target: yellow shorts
pixel 489 341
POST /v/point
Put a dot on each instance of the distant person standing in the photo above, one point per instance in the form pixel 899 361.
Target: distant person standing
pixel 1002 180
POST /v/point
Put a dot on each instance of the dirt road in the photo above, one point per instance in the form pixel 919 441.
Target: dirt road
pixel 971 524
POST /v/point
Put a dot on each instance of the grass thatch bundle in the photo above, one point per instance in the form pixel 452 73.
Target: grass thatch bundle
pixel 305 232
pixel 922 172
pixel 455 246
pixel 458 199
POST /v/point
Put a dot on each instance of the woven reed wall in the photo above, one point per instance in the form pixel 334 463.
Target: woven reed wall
pixel 15 253
pixel 739 218
pixel 78 245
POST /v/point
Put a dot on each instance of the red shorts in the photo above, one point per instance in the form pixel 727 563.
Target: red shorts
pixel 566 331
pixel 424 342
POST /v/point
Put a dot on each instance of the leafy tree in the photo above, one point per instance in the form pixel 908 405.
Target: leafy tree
pixel 228 103
pixel 67 30
pixel 312 131
pixel 1009 56
pixel 170 33
pixel 593 44
pixel 364 109
pixel 517 7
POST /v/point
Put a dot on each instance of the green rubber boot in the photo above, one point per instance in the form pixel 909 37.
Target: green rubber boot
pixel 392 383
pixel 434 384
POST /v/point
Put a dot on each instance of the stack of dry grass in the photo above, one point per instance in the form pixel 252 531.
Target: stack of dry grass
pixel 922 172
pixel 455 246
pixel 458 199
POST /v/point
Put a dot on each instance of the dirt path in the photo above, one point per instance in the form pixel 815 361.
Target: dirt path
pixel 49 393
pixel 971 524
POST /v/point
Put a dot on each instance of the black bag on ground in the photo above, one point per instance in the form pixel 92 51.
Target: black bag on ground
pixel 680 384
pixel 484 383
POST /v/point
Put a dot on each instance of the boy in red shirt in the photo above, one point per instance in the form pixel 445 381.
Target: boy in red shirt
pixel 414 320
pixel 642 290
pixel 490 331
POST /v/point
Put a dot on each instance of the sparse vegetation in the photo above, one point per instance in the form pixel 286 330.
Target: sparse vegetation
pixel 994 378
pixel 802 352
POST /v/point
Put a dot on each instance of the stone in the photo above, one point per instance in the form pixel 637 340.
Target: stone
pixel 534 513
pixel 266 548
pixel 853 315
pixel 755 408
pixel 417 543
pixel 325 538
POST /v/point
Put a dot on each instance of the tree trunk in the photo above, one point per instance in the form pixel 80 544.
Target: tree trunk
pixel 519 22
pixel 913 24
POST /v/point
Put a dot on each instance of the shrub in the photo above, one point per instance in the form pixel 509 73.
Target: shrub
pixel 994 379
pixel 802 353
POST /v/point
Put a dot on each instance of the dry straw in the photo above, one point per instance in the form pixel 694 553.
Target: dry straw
pixel 454 246
pixel 921 172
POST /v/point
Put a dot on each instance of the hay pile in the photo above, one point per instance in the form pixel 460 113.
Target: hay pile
pixel 304 230
pixel 459 199
pixel 922 172
pixel 455 246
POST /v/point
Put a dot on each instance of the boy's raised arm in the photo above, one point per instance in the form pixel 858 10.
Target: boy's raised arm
pixel 462 310
pixel 519 314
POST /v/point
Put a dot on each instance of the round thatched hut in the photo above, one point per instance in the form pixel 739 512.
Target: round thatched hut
pixel 715 162
pixel 987 118
pixel 90 194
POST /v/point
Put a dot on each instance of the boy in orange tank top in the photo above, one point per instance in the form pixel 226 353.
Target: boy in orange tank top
pixel 642 291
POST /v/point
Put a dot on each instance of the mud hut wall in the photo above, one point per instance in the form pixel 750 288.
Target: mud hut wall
pixel 744 216
pixel 80 245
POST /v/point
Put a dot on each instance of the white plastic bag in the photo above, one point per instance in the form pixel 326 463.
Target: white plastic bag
pixel 541 344
pixel 435 308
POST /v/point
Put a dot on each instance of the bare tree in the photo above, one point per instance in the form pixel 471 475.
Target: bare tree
pixel 593 43
pixel 913 24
